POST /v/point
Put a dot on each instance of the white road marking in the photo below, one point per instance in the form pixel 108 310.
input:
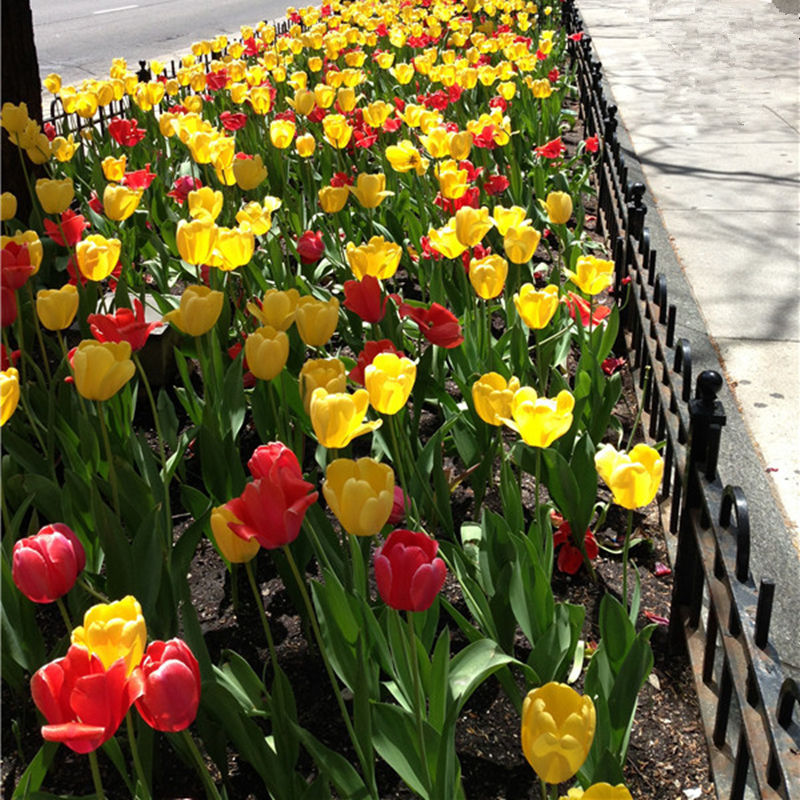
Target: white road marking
pixel 111 10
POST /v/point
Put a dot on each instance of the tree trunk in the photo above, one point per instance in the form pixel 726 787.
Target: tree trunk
pixel 20 70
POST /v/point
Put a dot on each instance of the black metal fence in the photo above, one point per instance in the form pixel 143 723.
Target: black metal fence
pixel 718 615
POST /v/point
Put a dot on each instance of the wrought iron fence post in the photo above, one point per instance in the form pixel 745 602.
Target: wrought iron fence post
pixel 706 419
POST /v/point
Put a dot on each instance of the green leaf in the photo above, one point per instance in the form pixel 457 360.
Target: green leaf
pixel 472 666
pixel 616 631
pixel 234 404
pixel 238 677
pixel 35 773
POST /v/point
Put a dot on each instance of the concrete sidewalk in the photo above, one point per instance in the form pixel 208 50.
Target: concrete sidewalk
pixel 708 94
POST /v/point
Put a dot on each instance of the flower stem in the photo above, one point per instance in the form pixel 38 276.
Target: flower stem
pixel 263 616
pixel 208 783
pixel 137 762
pixel 625 546
pixel 98 784
pixel 64 614
pixel 112 473
pixel 418 699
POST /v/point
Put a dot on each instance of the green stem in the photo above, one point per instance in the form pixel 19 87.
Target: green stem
pixel 208 783
pixel 90 590
pixel 137 762
pixel 418 699
pixel 45 359
pixel 262 615
pixel 400 466
pixel 64 614
pixel 112 473
pixel 98 784
pixel 638 418
pixel 625 546
pixel 301 584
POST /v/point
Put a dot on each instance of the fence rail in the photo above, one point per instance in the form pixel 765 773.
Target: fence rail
pixel 718 615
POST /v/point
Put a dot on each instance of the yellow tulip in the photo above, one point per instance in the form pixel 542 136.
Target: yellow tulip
pixel 316 320
pixel 305 145
pixel 63 149
pixel 539 420
pixel 360 493
pixel 437 142
pixel 258 218
pixel 345 99
pixel 459 145
pixel 97 256
pixel 55 195
pixel 267 351
pixel 8 206
pixel 112 631
pixel 260 99
pixel 445 240
pixel 370 190
pixel 520 243
pixel 14 118
pixel 472 224
pixel 249 172
pixel 234 246
pixel 506 218
pixel 558 726
pixel 337 130
pixel 232 547
pixel 378 258
pixel 196 239
pixel 541 88
pixel 592 275
pixel 453 183
pixel 101 369
pixel 404 157
pixel 488 275
pixel 599 791
pixel 536 308
pixel 389 380
pixel 329 373
pixel 119 202
pixel 56 308
pixel 323 96
pixel 633 477
pixel 278 308
pixel 559 207
pixel 377 112
pixel 9 393
pixel 204 203
pixel 305 101
pixel 52 83
pixel 281 133
pixel 492 396
pixel 114 168
pixel 333 198
pixel 338 417
pixel 403 73
pixel 198 312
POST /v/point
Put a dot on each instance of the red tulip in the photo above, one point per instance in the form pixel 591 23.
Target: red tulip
pixel 8 306
pixel 15 263
pixel 400 506
pixel 552 149
pixel 46 565
pixel 83 703
pixel 73 225
pixel 170 686
pixel 438 325
pixel 310 247
pixel 570 558
pixel 126 131
pixel 123 326
pixel 367 356
pixel 365 298
pixel 408 572
pixel 272 506
pixel 232 121
pixel 138 179
pixel 182 186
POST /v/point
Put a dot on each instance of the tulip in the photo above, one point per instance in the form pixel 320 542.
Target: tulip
pixel 304 101
pixel 113 631
pixel 370 190
pixel 198 312
pixel 255 218
pixel 14 118
pixel 404 157
pixel 281 133
pixel 536 308
pixel 633 477
pixel 488 275
pixel 170 677
pixel 267 351
pixel 69 231
pixel 559 207
pixel 389 380
pixel 459 145
pixel 438 325
pixel 119 202
pixel 338 417
pixel 378 258
pixel 310 247
pixel 278 308
pixel 83 702
pixel 16 266
pixel 249 172
pixel 323 96
pixel 8 206
pixel 114 168
pixel 360 494
pixel 233 547
pixel 316 320
pixel 377 112
pixel 600 791
pixel 260 99
pixel 366 299
pixel 101 369
pixel 445 240
pixel 337 131
pixel 205 203
pixel 272 507
pixel 437 142
pixel 472 224
pixel 234 246
pixel 123 326
pixel 333 198
pixel 56 308
pixel 9 392
pixel 538 420
pixel 55 195
pixel 29 239
pixel 329 373
pixel 305 145
pixel 520 243
pixel 558 726
pixel 46 565
pixel 408 572
pixel 492 396
pixel 97 256
pixel 592 275
pixel 453 181
pixel 345 99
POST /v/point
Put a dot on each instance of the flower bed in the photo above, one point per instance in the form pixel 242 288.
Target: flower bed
pixel 393 370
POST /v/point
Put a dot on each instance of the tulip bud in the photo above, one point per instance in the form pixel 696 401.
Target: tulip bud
pixel 370 190
pixel 97 256
pixel 338 417
pixel 559 207
pixel 8 206
pixel 520 243
pixel 198 312
pixel 233 547
pixel 101 369
pixel 333 198
pixel 9 392
pixel 119 202
pixel 55 195
pixel 488 275
pixel 170 686
pixel 267 351
pixel 360 493
pixel 56 308
pixel 196 240
pixel 389 380
pixel 329 373
pixel 46 565
pixel 281 133
pixel 316 320
pixel 536 308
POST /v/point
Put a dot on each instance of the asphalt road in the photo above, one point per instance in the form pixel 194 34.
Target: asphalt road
pixel 79 39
